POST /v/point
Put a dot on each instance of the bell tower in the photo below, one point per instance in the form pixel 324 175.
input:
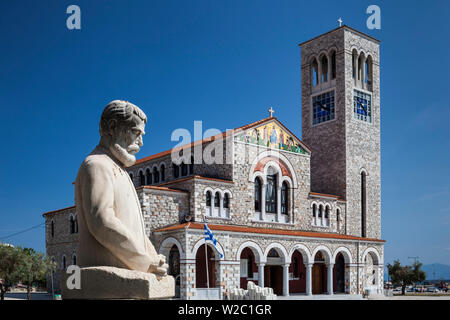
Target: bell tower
pixel 341 122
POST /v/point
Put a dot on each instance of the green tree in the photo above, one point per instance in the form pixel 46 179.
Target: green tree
pixel 405 275
pixel 9 260
pixel 33 268
pixel 22 265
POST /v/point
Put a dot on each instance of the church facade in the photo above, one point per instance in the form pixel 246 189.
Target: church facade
pixel 300 216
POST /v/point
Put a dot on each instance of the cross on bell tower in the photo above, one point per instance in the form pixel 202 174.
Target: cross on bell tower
pixel 271 111
pixel 340 22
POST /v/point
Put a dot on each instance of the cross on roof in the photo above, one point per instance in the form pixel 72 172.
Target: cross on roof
pixel 340 22
pixel 271 111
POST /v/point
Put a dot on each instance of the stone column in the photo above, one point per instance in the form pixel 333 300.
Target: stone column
pixel 221 206
pixel 319 81
pixel 187 274
pixel 329 69
pixel 363 72
pixel 355 62
pixel 278 204
pixel 330 278
pixel 308 278
pixel 263 202
pixel 261 275
pixel 286 279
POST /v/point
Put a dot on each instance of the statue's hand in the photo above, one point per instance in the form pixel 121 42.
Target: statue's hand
pixel 160 267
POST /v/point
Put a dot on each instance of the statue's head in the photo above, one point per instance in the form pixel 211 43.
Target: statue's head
pixel 121 129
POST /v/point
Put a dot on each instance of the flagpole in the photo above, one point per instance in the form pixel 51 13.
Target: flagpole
pixel 206 258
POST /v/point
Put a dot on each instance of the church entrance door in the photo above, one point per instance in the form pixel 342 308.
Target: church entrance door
pixel 200 268
pixel 273 278
pixel 340 274
pixel 317 278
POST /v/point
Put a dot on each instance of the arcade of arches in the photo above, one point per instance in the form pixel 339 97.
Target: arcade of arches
pixel 298 271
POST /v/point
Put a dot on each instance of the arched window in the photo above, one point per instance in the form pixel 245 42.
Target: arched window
pixel 141 178
pixel 155 175
pixel 76 224
pixel 208 203
pixel 333 65
pixel 64 262
pixel 360 67
pixel 163 172
pixel 284 198
pixel 271 193
pixel 148 176
pixel 258 189
pixel 226 201
pixel 176 171
pixel 363 204
pixel 320 215
pixel 184 169
pixel 72 225
pixel 191 166
pixel 216 204
pixel 354 63
pixel 174 261
pixel 315 73
pixel 315 214
pixel 52 228
pixel 327 216
pixel 226 204
pixel 74 259
pixel 324 66
pixel 369 73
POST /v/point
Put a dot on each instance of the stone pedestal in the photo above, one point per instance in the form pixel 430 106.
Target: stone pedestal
pixel 116 283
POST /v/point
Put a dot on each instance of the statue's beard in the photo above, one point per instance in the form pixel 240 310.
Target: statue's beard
pixel 125 155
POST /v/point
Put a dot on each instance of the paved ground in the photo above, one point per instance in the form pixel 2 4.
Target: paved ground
pixel 445 297
pixel 321 297
pixel 23 296
pixel 47 296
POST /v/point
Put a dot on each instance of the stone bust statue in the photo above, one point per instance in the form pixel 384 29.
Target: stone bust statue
pixel 111 226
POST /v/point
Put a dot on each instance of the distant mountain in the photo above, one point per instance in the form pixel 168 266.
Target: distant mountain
pixel 434 271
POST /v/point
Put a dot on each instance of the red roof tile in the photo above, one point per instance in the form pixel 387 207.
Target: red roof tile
pixel 59 210
pixel 244 229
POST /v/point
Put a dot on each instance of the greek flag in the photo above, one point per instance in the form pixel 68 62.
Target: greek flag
pixel 210 236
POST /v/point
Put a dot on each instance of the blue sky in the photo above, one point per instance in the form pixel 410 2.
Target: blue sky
pixel 222 62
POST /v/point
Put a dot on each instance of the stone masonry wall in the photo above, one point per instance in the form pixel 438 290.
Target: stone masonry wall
pixel 63 243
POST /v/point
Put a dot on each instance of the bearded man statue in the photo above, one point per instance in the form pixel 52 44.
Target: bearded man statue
pixel 113 246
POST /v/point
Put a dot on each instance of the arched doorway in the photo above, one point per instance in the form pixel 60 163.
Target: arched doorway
pixel 273 272
pixel 319 274
pixel 298 271
pixel 200 268
pixel 248 268
pixel 174 267
pixel 339 274
pixel 370 272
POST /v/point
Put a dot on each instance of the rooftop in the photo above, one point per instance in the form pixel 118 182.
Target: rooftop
pixel 339 28
pixel 218 136
pixel 244 229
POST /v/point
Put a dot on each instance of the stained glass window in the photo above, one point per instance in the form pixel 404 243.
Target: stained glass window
pixel 323 107
pixel 217 200
pixel 258 194
pixel 271 194
pixel 284 198
pixel 362 106
pixel 208 199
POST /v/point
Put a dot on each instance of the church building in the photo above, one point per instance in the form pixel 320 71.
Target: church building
pixel 299 216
